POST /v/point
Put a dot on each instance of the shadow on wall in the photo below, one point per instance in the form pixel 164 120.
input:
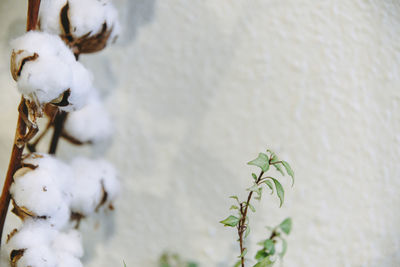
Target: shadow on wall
pixel 134 14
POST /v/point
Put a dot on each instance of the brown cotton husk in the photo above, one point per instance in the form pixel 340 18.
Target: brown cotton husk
pixel 10 235
pixel 15 255
pixel 22 212
pixel 18 60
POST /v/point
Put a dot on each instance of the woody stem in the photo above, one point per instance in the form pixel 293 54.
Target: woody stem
pixel 17 150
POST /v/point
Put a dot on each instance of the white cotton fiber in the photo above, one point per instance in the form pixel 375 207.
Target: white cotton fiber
pixel 40 256
pixel 69 243
pixel 90 177
pixel 85 17
pixel 92 123
pixel 81 88
pixel 61 172
pixel 53 71
pixel 49 16
pixel 68 260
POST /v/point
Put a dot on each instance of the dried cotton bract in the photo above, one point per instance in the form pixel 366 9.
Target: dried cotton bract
pixel 85 25
pixel 46 72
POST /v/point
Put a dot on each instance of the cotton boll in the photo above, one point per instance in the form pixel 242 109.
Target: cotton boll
pixel 96 185
pixel 69 242
pixel 37 193
pixel 86 25
pixel 47 79
pixel 34 233
pixel 46 71
pixel 92 123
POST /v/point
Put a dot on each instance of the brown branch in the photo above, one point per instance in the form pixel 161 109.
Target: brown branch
pixel 242 223
pixel 16 153
pixel 59 121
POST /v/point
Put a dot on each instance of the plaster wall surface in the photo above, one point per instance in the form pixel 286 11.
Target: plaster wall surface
pixel 198 88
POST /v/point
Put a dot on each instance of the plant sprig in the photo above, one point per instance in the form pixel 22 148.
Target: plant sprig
pixel 241 221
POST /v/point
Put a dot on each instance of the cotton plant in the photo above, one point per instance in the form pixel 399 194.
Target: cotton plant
pixel 275 245
pixel 51 196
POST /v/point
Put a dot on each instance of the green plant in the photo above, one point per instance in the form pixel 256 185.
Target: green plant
pixel 265 256
pixel 174 260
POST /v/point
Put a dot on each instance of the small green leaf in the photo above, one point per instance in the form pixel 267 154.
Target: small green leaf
pixel 231 221
pixel 260 255
pixel 269 246
pixel 286 225
pixel 266 262
pixel 257 190
pixel 243 253
pixel 284 248
pixel 254 176
pixel 288 170
pixel 252 208
pixel 246 234
pixel 279 191
pixel 269 184
pixel 237 264
pixel 234 207
pixel 236 198
pixel 279 168
pixel 261 161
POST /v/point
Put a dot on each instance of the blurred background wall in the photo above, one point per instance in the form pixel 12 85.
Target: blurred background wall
pixel 198 88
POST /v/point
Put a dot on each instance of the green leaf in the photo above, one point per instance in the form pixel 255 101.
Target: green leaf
pixel 252 208
pixel 269 184
pixel 246 234
pixel 269 246
pixel 266 262
pixel 238 263
pixel 243 253
pixel 279 191
pixel 257 190
pixel 234 207
pixel 288 170
pixel 260 255
pixel 261 161
pixel 286 225
pixel 279 168
pixel 254 176
pixel 284 248
pixel 274 157
pixel 192 264
pixel 231 221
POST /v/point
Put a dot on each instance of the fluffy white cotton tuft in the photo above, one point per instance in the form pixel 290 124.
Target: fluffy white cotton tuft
pixel 86 17
pixel 67 260
pixel 44 191
pixel 94 179
pixel 92 123
pixel 40 256
pixel 68 243
pixel 45 68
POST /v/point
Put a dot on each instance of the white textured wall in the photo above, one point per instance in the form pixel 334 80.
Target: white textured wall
pixel 198 88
